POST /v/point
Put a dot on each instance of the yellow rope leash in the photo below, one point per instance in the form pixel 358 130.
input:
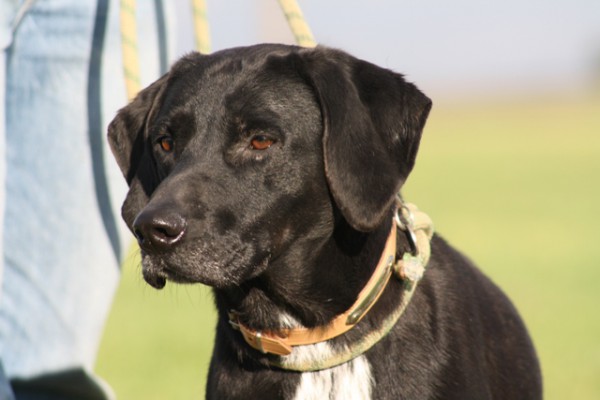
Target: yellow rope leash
pixel 129 36
pixel 201 26
pixel 297 23
pixel 129 48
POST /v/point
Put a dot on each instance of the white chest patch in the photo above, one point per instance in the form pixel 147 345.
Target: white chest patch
pixel 349 381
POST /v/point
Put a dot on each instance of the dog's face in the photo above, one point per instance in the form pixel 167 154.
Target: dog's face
pixel 241 158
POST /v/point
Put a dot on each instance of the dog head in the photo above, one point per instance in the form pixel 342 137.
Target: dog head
pixel 237 158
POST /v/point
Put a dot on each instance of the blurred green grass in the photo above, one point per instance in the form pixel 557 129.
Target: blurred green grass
pixel 516 186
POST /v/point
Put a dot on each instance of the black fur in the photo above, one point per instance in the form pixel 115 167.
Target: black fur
pixel 298 227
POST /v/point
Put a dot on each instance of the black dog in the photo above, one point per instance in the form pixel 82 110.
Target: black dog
pixel 270 173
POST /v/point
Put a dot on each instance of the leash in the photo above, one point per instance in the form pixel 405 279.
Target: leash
pixel 297 23
pixel 129 36
pixel 201 26
pixel 129 48
pixel 418 228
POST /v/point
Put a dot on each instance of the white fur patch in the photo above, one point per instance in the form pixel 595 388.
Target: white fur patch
pixel 349 381
pixel 287 321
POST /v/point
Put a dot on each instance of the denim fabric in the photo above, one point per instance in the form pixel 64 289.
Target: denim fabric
pixel 7 13
pixel 62 235
pixel 6 392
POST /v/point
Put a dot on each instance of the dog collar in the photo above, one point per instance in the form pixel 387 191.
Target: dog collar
pixel 410 268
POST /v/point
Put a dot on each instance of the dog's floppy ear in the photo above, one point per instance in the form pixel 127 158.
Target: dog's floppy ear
pixel 372 121
pixel 126 130
pixel 127 139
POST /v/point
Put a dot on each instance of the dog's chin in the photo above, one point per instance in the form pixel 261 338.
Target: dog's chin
pixel 158 270
pixel 153 278
pixel 157 278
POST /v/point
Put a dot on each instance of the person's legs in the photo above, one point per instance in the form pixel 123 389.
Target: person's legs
pixel 62 233
pixel 60 270
pixel 5 389
pixel 7 11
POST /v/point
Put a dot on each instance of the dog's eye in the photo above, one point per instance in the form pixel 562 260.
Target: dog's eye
pixel 261 142
pixel 166 143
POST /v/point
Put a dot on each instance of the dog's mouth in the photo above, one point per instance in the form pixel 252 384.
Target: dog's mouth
pixel 157 272
pixel 225 270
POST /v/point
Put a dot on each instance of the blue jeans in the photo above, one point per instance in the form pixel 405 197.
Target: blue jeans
pixel 61 83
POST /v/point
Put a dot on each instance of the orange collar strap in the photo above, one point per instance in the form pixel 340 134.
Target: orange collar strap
pixel 282 342
pixel 419 229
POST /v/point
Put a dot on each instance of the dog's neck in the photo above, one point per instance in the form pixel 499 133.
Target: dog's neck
pixel 268 309
pixel 309 292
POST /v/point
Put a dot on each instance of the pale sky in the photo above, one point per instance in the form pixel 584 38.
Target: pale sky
pixel 458 47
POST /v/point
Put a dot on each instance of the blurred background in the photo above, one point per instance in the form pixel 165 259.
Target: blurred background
pixel 509 170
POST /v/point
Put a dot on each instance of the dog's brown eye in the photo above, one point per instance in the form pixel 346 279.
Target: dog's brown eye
pixel 166 143
pixel 261 142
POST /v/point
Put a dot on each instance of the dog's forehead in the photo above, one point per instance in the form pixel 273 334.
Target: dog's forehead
pixel 234 82
pixel 224 69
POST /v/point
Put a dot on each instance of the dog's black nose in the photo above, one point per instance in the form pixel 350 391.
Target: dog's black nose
pixel 158 230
